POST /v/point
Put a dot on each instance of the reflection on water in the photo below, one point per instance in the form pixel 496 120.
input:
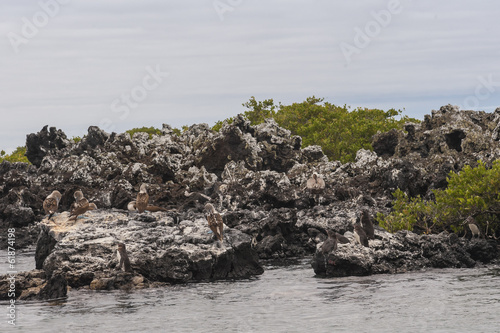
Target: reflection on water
pixel 286 298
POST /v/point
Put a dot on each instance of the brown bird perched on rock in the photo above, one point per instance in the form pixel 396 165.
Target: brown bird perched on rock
pixel 215 222
pixel 80 206
pixel 360 235
pixel 330 244
pixel 51 203
pixel 473 226
pixel 123 260
pixel 316 186
pixel 150 208
pixel 141 202
pixel 367 224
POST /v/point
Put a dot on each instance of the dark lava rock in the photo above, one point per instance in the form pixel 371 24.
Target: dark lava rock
pixel 32 285
pixel 403 252
pixel 256 176
pixel 41 143
pixel 84 252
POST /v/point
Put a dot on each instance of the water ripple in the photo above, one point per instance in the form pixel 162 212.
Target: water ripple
pixel 286 298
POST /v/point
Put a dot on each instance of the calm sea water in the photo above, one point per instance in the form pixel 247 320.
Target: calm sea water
pixel 286 298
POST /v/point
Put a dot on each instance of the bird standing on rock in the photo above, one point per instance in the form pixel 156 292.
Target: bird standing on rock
pixel 316 186
pixel 473 226
pixel 51 203
pixel 123 260
pixel 367 224
pixel 141 202
pixel 360 235
pixel 80 206
pixel 215 222
pixel 330 244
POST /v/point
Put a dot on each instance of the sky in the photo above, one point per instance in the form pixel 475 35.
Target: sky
pixel 120 64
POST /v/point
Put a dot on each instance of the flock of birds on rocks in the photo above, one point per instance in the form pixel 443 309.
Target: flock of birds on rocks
pixel 363 230
pixel 140 204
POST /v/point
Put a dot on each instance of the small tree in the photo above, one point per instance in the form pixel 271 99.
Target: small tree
pixel 470 192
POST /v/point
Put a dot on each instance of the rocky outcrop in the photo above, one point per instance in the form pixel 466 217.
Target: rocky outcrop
pixel 33 285
pixel 160 250
pixel 254 175
pixel 402 252
pixel 39 145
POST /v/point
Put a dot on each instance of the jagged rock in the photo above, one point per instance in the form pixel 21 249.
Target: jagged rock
pixel 384 144
pixel 95 137
pixel 32 285
pixel 39 144
pixel 403 252
pixel 254 175
pixel 159 250
pixel 18 216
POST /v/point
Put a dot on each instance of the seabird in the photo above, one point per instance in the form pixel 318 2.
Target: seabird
pixel 315 185
pixel 330 244
pixel 123 261
pixel 215 222
pixel 360 235
pixel 473 226
pixel 132 207
pixel 367 224
pixel 80 206
pixel 51 203
pixel 342 239
pixel 141 203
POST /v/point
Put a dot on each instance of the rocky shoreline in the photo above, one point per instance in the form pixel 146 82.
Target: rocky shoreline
pixel 256 176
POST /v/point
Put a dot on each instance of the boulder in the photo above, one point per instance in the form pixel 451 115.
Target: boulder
pixel 32 285
pixel 160 251
pixel 402 252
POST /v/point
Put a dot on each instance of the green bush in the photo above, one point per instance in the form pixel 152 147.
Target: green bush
pixel 340 132
pixel 76 139
pixel 219 124
pixel 16 156
pixel 149 130
pixel 470 192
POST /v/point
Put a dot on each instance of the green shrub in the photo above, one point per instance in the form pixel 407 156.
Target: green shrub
pixel 149 130
pixel 339 131
pixel 16 156
pixel 470 192
pixel 218 125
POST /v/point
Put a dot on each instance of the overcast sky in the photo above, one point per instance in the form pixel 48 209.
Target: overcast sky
pixel 122 64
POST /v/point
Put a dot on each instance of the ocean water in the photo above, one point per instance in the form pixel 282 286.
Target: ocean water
pixel 286 298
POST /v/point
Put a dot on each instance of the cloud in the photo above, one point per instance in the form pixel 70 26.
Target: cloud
pixel 90 53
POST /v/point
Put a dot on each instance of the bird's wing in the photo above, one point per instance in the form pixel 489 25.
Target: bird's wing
pixel 342 239
pixel 80 207
pixel 212 224
pixel 310 183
